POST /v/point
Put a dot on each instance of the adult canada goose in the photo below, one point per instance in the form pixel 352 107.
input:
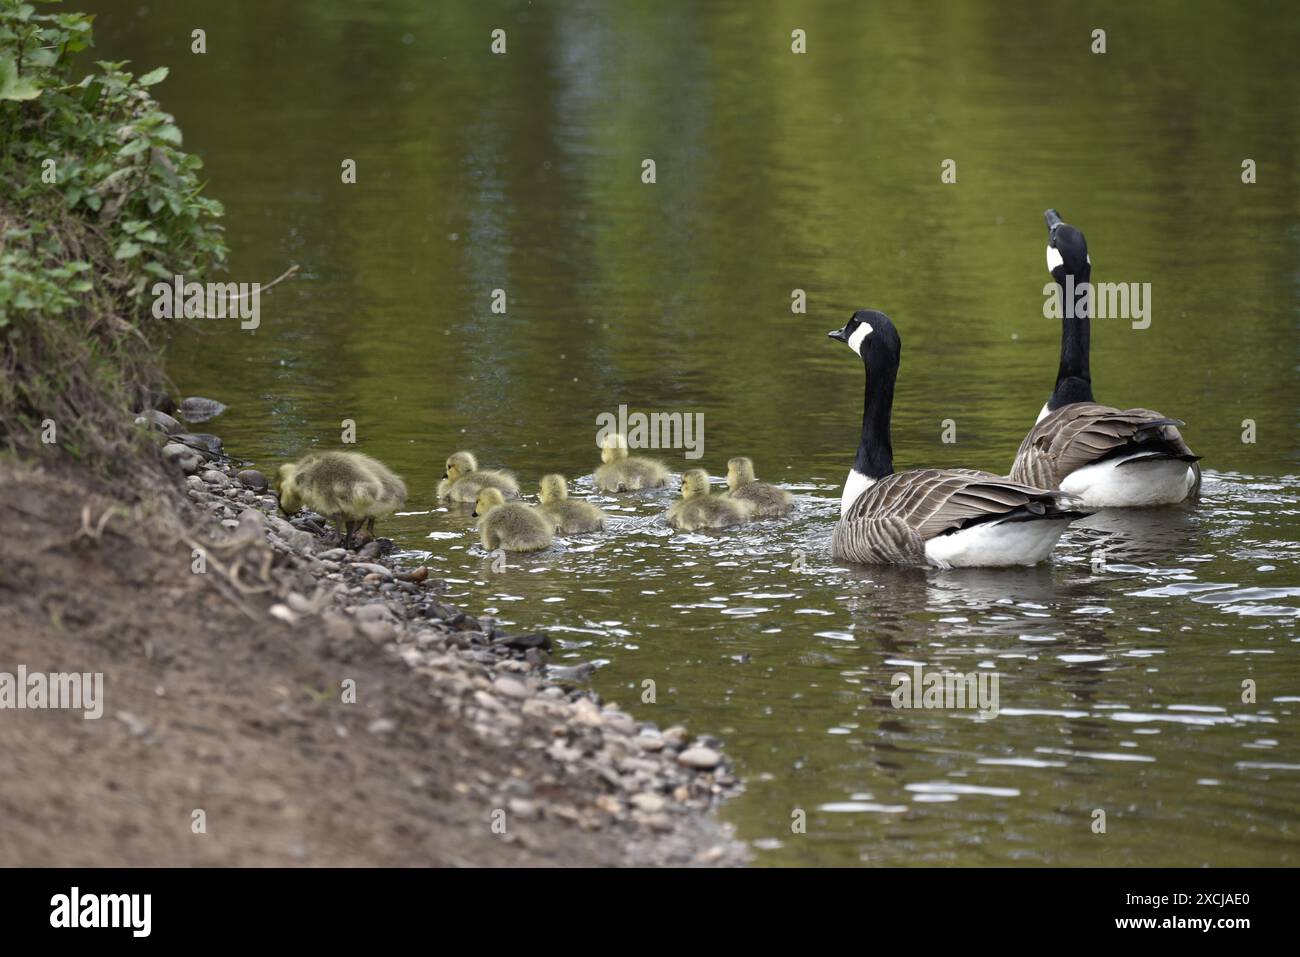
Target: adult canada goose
pixel 462 480
pixel 512 526
pixel 768 500
pixel 348 487
pixel 944 517
pixel 698 509
pixel 1104 457
pixel 569 517
pixel 620 473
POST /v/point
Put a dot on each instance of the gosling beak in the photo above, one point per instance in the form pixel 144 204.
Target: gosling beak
pixel 474 514
pixel 444 473
pixel 839 334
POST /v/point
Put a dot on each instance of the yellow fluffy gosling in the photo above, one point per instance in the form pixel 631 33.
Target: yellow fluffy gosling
pixel 512 526
pixel 462 480
pixel 768 500
pixel 698 509
pixel 570 517
pixel 348 487
pixel 619 472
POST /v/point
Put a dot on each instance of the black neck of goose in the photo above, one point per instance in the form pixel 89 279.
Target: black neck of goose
pixel 875 450
pixel 1073 379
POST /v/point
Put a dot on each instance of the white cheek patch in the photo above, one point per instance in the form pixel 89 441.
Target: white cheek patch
pixel 860 333
pixel 1054 258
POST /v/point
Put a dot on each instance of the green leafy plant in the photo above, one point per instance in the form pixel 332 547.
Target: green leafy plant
pixel 97 202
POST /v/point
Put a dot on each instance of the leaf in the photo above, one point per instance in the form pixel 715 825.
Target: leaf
pixel 94 90
pixel 127 250
pixel 14 87
pixel 154 76
pixel 137 145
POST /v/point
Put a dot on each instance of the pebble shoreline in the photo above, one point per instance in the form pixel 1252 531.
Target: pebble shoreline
pixel 619 772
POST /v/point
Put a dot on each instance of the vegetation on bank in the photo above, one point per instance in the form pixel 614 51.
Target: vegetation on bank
pixel 97 202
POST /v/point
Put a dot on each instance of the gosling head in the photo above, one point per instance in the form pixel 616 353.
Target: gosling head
pixel 695 482
pixel 461 463
pixel 553 489
pixel 487 500
pixel 613 448
pixel 286 489
pixel 740 471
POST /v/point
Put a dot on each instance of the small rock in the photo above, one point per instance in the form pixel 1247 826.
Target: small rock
pixel 700 758
pixel 372 569
pixel 161 421
pixel 650 803
pixel 620 722
pixel 676 736
pixel 382 726
pixel 418 575
pixel 524 642
pixel 511 688
pixel 198 409
pixel 182 456
pixel 283 612
pixel 133 724
pixel 528 810
pixel 571 673
pixel 253 479
pixel 209 441
pixel 373 612
pixel 213 477
pixel 586 712
pixel 379 631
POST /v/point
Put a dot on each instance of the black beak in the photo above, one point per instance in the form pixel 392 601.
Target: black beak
pixel 444 473
pixel 1053 219
pixel 841 334
pixel 474 514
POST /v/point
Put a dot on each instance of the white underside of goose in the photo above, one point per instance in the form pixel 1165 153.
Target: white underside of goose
pixel 1111 484
pixel 996 544
pixel 854 485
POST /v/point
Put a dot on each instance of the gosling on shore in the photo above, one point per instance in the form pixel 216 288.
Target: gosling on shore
pixel 347 487
pixel 769 501
pixel 462 479
pixel 698 509
pixel 619 472
pixel 512 526
pixel 570 517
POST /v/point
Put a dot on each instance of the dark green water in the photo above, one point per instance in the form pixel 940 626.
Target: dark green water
pixel 1120 686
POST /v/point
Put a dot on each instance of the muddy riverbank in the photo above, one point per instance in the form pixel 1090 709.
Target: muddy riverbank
pixel 272 699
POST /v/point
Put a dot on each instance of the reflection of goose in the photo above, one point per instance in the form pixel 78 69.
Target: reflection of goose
pixel 1104 456
pixel 1139 535
pixel 944 517
pixel 907 589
